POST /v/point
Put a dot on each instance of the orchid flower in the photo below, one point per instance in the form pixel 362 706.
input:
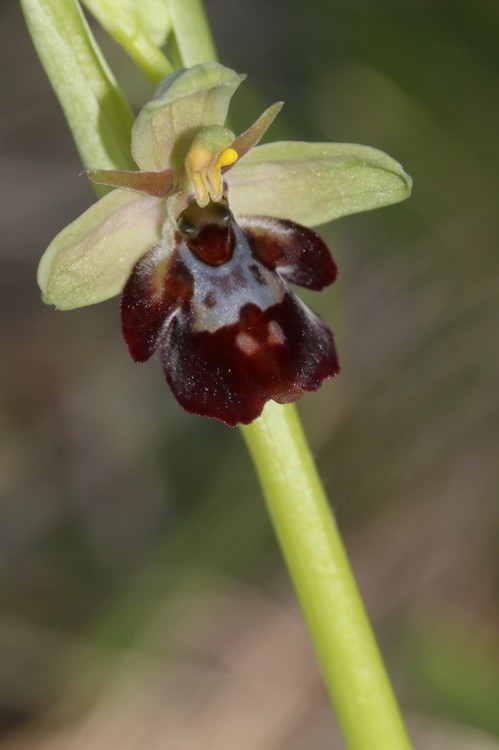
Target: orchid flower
pixel 203 240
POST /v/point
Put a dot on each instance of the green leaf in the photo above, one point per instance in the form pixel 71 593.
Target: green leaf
pixel 185 102
pixel 92 258
pixel 95 108
pixel 141 27
pixel 312 183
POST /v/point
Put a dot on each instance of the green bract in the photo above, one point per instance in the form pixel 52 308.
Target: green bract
pixel 180 160
pixel 95 107
pixel 141 27
pixel 131 19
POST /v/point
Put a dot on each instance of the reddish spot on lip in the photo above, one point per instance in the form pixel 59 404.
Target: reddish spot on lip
pixel 214 245
pixel 230 373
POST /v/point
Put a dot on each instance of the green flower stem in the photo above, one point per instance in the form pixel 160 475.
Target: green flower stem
pixel 351 664
pixel 192 32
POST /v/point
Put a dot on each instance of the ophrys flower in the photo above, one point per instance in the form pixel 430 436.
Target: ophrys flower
pixel 207 289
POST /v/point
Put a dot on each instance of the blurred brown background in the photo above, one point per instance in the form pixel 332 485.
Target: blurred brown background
pixel 143 601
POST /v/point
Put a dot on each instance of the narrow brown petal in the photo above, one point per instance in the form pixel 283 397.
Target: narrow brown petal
pixel 298 253
pixel 158 184
pixel 255 132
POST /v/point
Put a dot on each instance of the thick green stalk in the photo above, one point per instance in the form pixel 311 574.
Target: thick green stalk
pixel 353 670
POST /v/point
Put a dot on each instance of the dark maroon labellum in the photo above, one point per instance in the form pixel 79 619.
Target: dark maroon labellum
pixel 232 334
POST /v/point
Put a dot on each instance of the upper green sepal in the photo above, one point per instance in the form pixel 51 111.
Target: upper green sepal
pixel 183 103
pixel 312 183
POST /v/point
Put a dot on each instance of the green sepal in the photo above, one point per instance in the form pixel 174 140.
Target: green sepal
pixel 96 110
pixel 312 183
pixel 183 103
pixel 92 258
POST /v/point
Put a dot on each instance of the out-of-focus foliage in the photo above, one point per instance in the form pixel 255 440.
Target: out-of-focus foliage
pixel 136 559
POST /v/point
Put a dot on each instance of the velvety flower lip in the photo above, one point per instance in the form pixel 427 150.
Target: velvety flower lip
pixel 203 240
pixel 232 335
